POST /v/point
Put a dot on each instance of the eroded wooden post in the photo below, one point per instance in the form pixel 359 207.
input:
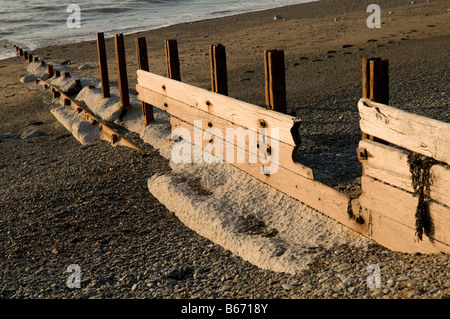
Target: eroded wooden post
pixel 275 80
pixel 78 86
pixel 172 60
pixel 122 73
pixel 142 61
pixel 379 81
pixel 103 65
pixel 219 76
pixel 50 70
pixel 375 84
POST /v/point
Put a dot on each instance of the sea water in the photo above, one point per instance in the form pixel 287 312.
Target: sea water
pixel 31 24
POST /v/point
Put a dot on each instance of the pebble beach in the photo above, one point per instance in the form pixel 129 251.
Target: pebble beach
pixel 63 203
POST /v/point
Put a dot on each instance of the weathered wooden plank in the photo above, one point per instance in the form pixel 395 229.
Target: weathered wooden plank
pixel 190 114
pixel 417 133
pixel 321 197
pixel 390 165
pixel 400 206
pixel 394 235
pixel 440 186
pixel 104 128
pixel 266 156
pixel 215 144
pixel 233 110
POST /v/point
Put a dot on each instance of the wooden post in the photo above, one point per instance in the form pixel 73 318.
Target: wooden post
pixel 375 84
pixel 275 80
pixel 42 63
pixel 122 73
pixel 67 74
pixel 78 86
pixel 172 60
pixel 379 81
pixel 102 62
pixel 219 77
pixel 20 52
pixel 30 58
pixel 57 73
pixel 50 70
pixel 36 59
pixel 365 85
pixel 25 55
pixel 142 61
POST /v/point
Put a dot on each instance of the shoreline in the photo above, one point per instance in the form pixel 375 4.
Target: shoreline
pixel 59 192
pixel 90 36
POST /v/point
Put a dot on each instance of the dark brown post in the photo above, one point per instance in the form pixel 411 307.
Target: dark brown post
pixel 375 84
pixel 379 81
pixel 78 86
pixel 67 74
pixel 25 55
pixel 30 58
pixel 102 62
pixel 50 70
pixel 219 77
pixel 36 59
pixel 172 60
pixel 142 61
pixel 365 85
pixel 122 73
pixel 20 52
pixel 42 63
pixel 57 73
pixel 275 80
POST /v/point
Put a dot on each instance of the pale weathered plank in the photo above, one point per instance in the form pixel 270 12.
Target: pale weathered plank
pixel 400 206
pixel 190 114
pixel 440 187
pixel 390 165
pixel 394 235
pixel 420 134
pixel 238 112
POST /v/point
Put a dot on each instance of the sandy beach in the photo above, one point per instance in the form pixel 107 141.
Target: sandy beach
pixel 56 193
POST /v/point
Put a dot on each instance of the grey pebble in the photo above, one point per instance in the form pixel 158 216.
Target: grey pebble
pixel 30 133
pixel 287 286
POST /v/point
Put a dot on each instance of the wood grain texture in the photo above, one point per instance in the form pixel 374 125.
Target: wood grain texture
pixel 414 132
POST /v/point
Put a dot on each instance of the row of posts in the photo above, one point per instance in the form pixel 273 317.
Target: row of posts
pixel 275 85
pixel 50 71
pixel 375 71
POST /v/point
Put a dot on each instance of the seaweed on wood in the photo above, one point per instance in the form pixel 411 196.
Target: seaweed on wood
pixel 420 166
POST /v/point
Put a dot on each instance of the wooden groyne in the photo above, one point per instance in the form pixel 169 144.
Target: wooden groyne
pixel 405 202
